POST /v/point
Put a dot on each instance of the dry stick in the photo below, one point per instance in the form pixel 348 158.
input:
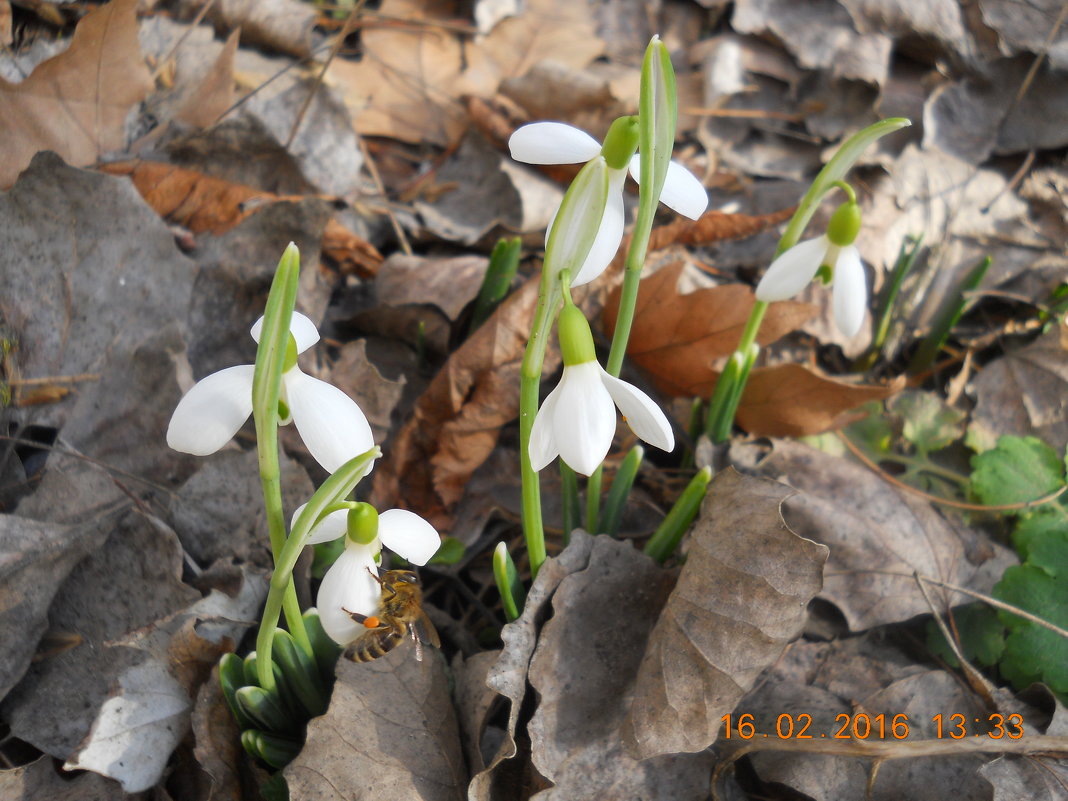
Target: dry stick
pixel 53 379
pixel 975 678
pixel 181 39
pixel 350 25
pixel 371 168
pixel 975 507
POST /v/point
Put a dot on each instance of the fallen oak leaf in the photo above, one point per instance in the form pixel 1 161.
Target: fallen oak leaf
pixel 203 203
pixel 741 597
pixel 715 226
pixel 76 103
pixel 677 337
pixel 792 400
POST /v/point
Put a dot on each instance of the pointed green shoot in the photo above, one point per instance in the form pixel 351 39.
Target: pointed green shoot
pixel 508 583
pixel 618 494
pixel 503 265
pixel 670 532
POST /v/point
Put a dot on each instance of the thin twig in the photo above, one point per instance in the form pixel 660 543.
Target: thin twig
pixel 53 379
pixel 975 507
pixel 181 39
pixel 368 159
pixel 987 599
pixel 350 25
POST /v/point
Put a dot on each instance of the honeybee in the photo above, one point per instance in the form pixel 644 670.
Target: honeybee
pixel 400 611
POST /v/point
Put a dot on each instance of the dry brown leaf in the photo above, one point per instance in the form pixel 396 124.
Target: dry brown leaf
pixel 447 283
pixel 714 226
pixel 586 661
pixel 218 750
pixel 741 597
pixel 76 102
pixel 390 732
pixel 408 83
pixel 215 94
pixel 875 531
pixel 792 400
pixel 202 203
pixel 456 422
pixel 677 337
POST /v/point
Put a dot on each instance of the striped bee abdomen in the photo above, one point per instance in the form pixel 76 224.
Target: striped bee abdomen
pixel 377 642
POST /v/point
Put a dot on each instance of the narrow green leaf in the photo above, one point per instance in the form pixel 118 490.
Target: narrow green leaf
pixel 508 583
pixel 503 266
pixel 669 533
pixel 301 673
pixel 620 490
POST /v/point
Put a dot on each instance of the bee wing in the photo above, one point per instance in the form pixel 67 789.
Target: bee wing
pixel 427 632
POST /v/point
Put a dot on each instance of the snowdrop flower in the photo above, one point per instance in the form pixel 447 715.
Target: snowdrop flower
pixel 559 143
pixel 794 269
pixel 349 584
pixel 578 419
pixel 329 421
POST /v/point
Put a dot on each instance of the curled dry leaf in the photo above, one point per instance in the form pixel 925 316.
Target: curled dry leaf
pixel 890 532
pixel 76 103
pixel 792 400
pixel 677 337
pixel 741 597
pixel 218 750
pixel 40 779
pixel 585 664
pixel 202 203
pixel 455 424
pixel 390 732
pixel 508 676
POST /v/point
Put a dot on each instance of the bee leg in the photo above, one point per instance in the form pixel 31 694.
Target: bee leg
pixel 418 644
pixel 392 592
pixel 362 619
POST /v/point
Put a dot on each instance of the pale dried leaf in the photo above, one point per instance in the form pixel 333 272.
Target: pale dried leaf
pixel 285 25
pixel 890 531
pixel 448 283
pixel 1024 393
pixel 390 731
pixel 76 103
pixel 1028 26
pixel 941 20
pixel 740 599
pixel 475 700
pixel 361 380
pixel 821 34
pixel 217 736
pixel 215 91
pixel 587 658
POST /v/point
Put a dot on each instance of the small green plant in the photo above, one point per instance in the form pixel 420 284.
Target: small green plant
pixel 1021 472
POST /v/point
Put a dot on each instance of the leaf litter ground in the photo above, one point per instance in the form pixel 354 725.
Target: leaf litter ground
pixel 137 252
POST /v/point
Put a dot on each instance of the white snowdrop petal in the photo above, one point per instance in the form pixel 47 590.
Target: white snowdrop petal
pixel 329 421
pixel 543 448
pixel 212 411
pixel 584 419
pixel 326 530
pixel 850 298
pixel 407 534
pixel 792 271
pixel 301 327
pixel 683 192
pixel 609 234
pixel 348 585
pixel 642 414
pixel 552 143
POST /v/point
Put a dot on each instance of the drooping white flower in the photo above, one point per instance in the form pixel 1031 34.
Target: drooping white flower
pixel 349 584
pixel 329 421
pixel 559 143
pixel 792 271
pixel 578 418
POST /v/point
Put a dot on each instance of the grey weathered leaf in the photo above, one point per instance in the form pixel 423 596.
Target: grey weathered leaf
pixel 741 598
pixel 583 670
pixel 887 531
pixel 35 559
pixel 1028 27
pixel 449 283
pixel 40 779
pixel 1023 393
pixel 390 731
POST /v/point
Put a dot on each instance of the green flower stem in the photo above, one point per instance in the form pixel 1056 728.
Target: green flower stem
pixel 721 409
pixel 336 487
pixel 569 500
pixel 593 500
pixel 529 383
pixel 266 391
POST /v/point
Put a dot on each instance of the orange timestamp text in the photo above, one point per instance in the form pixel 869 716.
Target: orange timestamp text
pixel 862 726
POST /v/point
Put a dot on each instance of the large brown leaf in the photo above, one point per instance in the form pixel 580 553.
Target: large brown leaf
pixel 76 102
pixel 677 337
pixel 740 599
pixel 792 400
pixel 456 422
